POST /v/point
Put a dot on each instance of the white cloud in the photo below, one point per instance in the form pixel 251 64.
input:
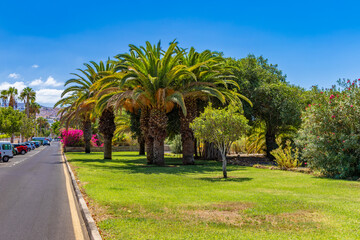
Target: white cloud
pixel 36 82
pixel 50 81
pixel 18 85
pixel 14 75
pixel 35 66
pixel 48 96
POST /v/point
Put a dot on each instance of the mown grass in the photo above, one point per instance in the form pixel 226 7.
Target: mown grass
pixel 131 200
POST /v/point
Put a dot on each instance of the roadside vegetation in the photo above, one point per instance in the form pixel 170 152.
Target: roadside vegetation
pixel 206 107
pixel 26 124
pixel 131 200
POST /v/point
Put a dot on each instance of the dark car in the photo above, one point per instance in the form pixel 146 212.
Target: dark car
pixel 46 142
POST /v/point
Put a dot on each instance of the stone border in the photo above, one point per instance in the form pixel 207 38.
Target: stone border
pixel 91 227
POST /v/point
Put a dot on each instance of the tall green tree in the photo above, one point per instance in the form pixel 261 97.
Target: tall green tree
pixel 280 106
pixel 10 121
pixel 275 102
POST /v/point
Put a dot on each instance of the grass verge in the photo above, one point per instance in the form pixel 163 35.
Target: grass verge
pixel 130 200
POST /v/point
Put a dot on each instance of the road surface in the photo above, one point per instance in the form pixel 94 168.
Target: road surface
pixel 35 203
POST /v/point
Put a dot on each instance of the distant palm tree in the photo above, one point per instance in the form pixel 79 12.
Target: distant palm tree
pixel 12 93
pixel 28 95
pixel 34 108
pixel 4 97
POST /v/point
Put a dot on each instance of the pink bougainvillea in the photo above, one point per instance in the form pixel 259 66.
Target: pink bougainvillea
pixel 72 137
pixel 95 141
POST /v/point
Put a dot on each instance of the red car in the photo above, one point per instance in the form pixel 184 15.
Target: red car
pixel 21 148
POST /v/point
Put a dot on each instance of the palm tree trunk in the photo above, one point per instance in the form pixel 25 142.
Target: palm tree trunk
pixel 107 148
pixel 187 135
pixel 27 108
pixel 157 129
pixel 87 135
pixel 270 139
pixel 159 152
pixel 149 140
pixel 107 128
pixel 141 141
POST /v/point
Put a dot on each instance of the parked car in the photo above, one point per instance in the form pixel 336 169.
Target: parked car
pixel 46 142
pixel 37 144
pixel 28 145
pixel 40 139
pixel 22 149
pixel 6 150
pixel 14 150
pixel 31 145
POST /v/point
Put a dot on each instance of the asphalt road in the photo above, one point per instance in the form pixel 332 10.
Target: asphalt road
pixel 34 201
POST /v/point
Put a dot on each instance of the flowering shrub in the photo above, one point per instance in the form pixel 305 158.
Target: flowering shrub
pixel 330 134
pixel 95 142
pixel 72 137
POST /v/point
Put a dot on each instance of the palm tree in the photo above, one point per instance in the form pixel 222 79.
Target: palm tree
pixel 4 97
pixel 34 108
pixel 28 95
pixel 212 79
pixel 106 114
pixel 148 80
pixel 75 102
pixel 12 92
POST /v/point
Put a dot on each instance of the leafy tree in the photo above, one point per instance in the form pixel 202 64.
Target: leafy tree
pixel 10 121
pixel 55 127
pixel 276 103
pixel 221 127
pixel 279 106
pixel 27 127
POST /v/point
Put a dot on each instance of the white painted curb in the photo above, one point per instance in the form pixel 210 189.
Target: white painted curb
pixel 88 219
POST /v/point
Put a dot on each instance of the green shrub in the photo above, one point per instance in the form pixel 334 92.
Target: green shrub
pixel 286 157
pixel 176 145
pixel 4 136
pixel 330 133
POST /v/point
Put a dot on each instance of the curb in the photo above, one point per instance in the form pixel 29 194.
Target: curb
pixel 89 221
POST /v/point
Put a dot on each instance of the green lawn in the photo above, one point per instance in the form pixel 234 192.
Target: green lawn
pixel 135 201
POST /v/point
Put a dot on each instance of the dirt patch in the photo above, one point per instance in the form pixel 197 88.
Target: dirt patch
pixel 233 214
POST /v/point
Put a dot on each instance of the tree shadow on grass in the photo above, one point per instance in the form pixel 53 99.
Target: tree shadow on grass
pixel 136 164
pixel 229 179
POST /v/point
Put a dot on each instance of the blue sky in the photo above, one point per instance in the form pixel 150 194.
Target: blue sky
pixel 42 42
